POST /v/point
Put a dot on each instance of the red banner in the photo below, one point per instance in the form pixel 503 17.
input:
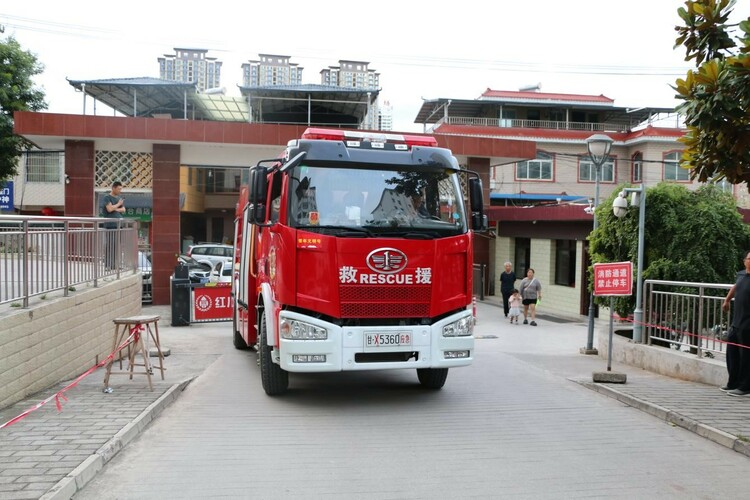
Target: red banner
pixel 213 302
pixel 614 278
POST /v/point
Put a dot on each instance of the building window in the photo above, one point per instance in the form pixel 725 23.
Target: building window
pixel 539 169
pixel 672 169
pixel 522 257
pixel 565 263
pixel 637 168
pixel 587 171
pixel 43 166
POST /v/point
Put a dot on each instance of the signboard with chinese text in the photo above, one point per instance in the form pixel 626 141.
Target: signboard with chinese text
pixel 212 302
pixel 6 195
pixel 613 279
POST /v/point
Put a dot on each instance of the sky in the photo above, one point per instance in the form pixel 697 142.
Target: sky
pixel 621 49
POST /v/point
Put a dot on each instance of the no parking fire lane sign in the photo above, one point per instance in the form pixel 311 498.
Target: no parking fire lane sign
pixel 614 278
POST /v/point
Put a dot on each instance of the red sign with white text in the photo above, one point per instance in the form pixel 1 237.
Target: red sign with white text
pixel 213 303
pixel 615 278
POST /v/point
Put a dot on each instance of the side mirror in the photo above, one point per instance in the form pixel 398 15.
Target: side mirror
pixel 257 195
pixel 476 204
pixel 476 196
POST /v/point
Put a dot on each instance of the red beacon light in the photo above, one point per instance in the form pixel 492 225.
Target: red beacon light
pixel 354 138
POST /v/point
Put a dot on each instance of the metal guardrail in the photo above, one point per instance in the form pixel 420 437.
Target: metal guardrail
pixel 686 315
pixel 40 254
pixel 545 124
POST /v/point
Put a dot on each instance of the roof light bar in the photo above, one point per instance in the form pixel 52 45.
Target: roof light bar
pixel 353 137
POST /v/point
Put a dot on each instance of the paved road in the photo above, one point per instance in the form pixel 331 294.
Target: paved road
pixel 515 424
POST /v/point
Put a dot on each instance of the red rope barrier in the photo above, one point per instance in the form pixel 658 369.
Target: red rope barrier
pixel 134 332
pixel 681 332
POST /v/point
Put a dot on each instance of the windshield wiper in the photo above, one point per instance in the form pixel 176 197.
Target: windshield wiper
pixel 411 235
pixel 344 231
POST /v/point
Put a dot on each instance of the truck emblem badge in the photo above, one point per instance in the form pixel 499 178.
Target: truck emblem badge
pixel 386 260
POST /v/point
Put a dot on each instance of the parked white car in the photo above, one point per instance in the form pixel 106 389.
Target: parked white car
pixel 211 253
pixel 221 272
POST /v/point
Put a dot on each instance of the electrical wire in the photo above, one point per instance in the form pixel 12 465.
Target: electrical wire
pixel 89 32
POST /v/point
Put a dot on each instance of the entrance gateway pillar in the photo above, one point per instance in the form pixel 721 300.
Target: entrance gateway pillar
pixel 165 244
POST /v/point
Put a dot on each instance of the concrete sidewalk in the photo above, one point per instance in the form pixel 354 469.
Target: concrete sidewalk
pixel 51 454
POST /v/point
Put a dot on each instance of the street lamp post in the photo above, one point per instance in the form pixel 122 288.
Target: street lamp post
pixel 598 146
pixel 620 208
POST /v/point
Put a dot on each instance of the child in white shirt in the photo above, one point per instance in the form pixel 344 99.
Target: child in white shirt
pixel 515 306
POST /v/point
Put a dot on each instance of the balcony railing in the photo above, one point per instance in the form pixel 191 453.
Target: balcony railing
pixel 542 124
pixel 39 255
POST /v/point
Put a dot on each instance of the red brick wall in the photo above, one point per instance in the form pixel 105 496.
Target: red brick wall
pixel 165 218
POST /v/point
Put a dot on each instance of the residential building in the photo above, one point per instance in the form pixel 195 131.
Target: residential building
pixel 351 74
pixel 538 204
pixel 191 66
pixel 355 75
pixel 271 70
pixel 385 116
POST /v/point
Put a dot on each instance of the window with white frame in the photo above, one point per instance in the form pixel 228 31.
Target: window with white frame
pixel 587 171
pixel 672 169
pixel 637 168
pixel 539 169
pixel 43 166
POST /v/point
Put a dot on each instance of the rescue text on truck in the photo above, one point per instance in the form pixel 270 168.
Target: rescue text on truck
pixel 353 251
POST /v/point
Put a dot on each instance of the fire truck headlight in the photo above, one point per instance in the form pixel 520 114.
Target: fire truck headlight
pixel 461 328
pixel 291 329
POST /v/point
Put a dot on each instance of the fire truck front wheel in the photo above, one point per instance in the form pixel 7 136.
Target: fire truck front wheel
pixel 275 380
pixel 432 378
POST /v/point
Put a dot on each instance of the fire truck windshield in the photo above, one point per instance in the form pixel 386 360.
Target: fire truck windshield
pixel 376 201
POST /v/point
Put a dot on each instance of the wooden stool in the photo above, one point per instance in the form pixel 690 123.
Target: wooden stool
pixel 140 326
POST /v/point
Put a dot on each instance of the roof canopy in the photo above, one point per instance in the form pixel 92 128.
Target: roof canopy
pixel 140 96
pixel 307 104
pixel 434 110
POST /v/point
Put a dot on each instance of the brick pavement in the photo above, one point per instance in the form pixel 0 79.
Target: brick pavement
pixel 53 455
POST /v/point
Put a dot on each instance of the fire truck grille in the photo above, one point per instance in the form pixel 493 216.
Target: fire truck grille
pixel 385 302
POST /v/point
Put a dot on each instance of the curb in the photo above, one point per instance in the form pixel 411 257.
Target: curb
pixel 717 436
pixel 87 470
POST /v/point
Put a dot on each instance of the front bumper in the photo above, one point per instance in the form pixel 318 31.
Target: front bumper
pixel 344 350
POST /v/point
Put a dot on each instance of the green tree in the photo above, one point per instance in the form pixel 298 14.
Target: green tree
pixel 17 93
pixel 689 236
pixel 716 94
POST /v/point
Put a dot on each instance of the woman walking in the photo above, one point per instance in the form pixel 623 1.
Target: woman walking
pixel 531 291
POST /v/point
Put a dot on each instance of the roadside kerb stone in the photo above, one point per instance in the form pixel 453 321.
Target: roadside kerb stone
pixel 87 470
pixel 717 436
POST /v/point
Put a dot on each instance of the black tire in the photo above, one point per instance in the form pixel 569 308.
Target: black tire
pixel 432 378
pixel 275 380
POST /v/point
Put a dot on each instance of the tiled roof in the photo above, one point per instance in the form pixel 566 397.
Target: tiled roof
pixel 544 96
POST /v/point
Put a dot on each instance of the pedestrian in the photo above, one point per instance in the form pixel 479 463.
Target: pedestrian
pixel 531 291
pixel 738 346
pixel 507 285
pixel 515 302
pixel 114 207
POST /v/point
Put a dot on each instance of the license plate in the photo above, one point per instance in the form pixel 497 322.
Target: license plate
pixel 379 340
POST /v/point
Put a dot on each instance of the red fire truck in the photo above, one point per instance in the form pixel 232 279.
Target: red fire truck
pixel 353 251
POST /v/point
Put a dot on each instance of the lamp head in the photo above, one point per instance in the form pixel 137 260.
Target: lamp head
pixel 620 205
pixel 599 146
